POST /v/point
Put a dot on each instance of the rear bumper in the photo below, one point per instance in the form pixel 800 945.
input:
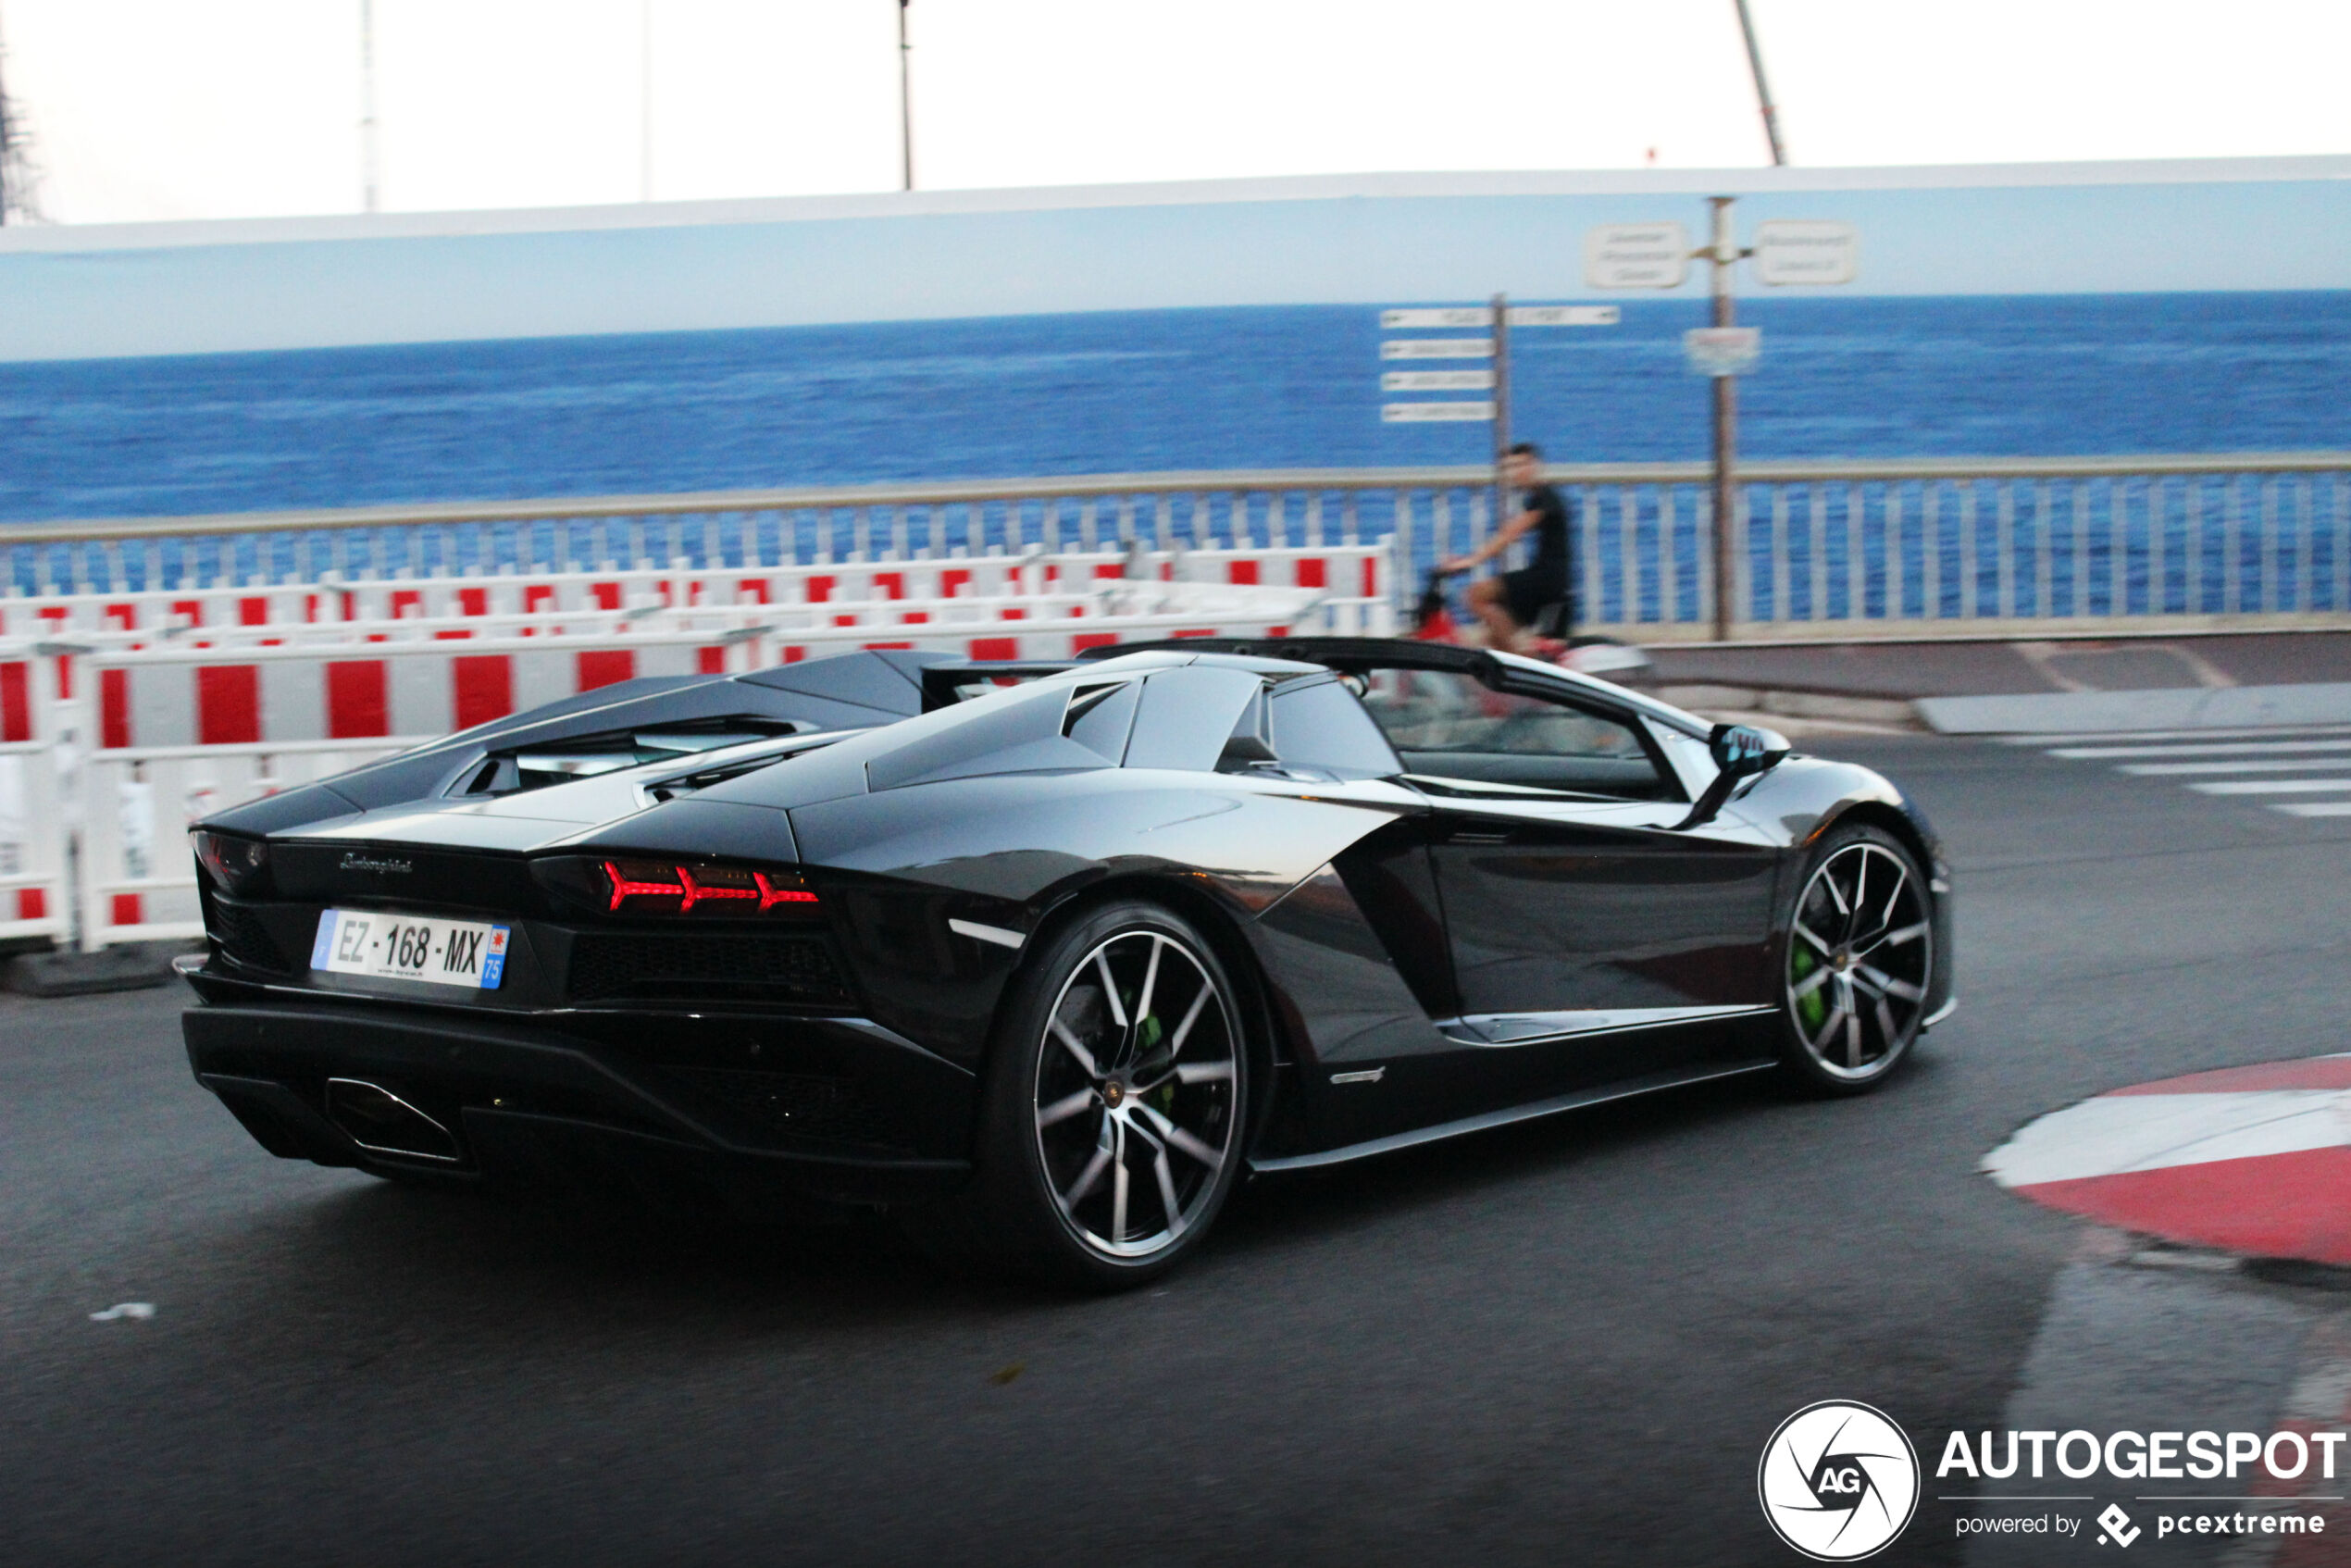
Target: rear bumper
pixel 756 1110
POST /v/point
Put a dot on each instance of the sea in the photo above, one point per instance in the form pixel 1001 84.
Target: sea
pixel 1286 386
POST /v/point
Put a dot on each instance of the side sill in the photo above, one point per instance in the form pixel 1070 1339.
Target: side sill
pixel 1509 1029
pixel 1950 1006
pixel 1624 1090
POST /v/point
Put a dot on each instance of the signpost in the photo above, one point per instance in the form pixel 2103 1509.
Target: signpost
pixel 1792 251
pixel 1656 255
pixel 1636 255
pixel 1498 318
pixel 1437 348
pixel 1727 422
pixel 1564 315
pixel 1482 315
pixel 1436 381
pixel 1449 315
pixel 1434 413
pixel 1722 350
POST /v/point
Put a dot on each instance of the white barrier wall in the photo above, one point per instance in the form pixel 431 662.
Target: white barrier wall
pixel 137 876
pixel 1352 581
pixel 193 726
pixel 33 827
pixel 239 693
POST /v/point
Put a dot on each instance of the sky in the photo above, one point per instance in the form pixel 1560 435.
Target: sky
pixel 169 109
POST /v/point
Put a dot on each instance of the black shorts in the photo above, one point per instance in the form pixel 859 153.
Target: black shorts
pixel 1530 590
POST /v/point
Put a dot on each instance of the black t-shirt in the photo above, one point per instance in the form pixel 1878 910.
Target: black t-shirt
pixel 1549 532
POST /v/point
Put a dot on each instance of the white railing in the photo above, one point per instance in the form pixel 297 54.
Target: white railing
pixel 1836 548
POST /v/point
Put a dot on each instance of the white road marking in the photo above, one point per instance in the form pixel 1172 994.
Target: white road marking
pixel 2167 769
pixel 2147 1132
pixel 2234 748
pixel 2275 787
pixel 2279 752
pixel 2118 736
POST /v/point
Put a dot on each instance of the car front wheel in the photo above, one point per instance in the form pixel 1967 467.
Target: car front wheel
pixel 1857 960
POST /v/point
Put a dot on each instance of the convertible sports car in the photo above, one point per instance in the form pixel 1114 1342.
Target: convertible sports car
pixel 1043 957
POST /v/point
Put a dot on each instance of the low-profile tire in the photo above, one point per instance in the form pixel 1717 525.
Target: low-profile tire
pixel 1856 963
pixel 1115 1102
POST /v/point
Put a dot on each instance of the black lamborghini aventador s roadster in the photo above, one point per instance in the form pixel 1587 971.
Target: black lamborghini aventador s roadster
pixel 1043 957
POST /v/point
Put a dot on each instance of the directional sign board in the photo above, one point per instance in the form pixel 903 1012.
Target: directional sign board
pixel 1450 316
pixel 1722 350
pixel 1636 255
pixel 1436 381
pixel 1564 315
pixel 1458 317
pixel 1434 413
pixel 1796 251
pixel 1436 348
pixel 1521 315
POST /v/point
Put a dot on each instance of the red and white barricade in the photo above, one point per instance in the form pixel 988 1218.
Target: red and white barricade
pixel 1352 582
pixel 138 874
pixel 180 731
pixel 33 902
pixel 241 697
pixel 191 694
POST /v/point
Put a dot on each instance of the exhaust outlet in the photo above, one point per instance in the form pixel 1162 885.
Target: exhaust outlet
pixel 382 1123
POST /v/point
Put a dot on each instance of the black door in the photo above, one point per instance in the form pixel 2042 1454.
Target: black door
pixel 1591 935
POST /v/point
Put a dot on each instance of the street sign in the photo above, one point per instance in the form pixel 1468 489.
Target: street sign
pixel 1436 381
pixel 1722 350
pixel 1434 413
pixel 1636 255
pixel 1482 315
pixel 1451 315
pixel 1564 315
pixel 1796 251
pixel 1436 348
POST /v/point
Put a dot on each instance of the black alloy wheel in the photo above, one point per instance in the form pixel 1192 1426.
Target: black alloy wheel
pixel 1114 1104
pixel 1858 963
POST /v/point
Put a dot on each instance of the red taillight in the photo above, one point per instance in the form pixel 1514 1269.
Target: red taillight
pixel 716 887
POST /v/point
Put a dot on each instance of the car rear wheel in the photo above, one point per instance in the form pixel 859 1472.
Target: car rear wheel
pixel 1115 1102
pixel 1857 960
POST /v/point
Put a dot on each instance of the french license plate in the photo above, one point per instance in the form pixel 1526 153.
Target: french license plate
pixel 410 947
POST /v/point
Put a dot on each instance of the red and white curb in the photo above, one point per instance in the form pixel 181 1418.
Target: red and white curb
pixel 2250 1159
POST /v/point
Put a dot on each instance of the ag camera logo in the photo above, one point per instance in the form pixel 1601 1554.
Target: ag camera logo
pixel 1839 1481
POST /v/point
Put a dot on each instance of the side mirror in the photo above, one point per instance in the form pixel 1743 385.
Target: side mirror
pixel 1740 751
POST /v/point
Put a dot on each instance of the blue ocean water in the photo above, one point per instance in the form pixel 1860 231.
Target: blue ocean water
pixel 1270 387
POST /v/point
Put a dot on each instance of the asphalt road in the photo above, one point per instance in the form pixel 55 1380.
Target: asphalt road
pixel 1564 1342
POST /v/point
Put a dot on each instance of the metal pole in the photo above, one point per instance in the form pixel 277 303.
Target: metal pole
pixel 645 100
pixel 1502 407
pixel 905 102
pixel 368 199
pixel 1724 253
pixel 1762 88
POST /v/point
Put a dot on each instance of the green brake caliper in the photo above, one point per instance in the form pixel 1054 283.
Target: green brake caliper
pixel 1147 1033
pixel 1812 1008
